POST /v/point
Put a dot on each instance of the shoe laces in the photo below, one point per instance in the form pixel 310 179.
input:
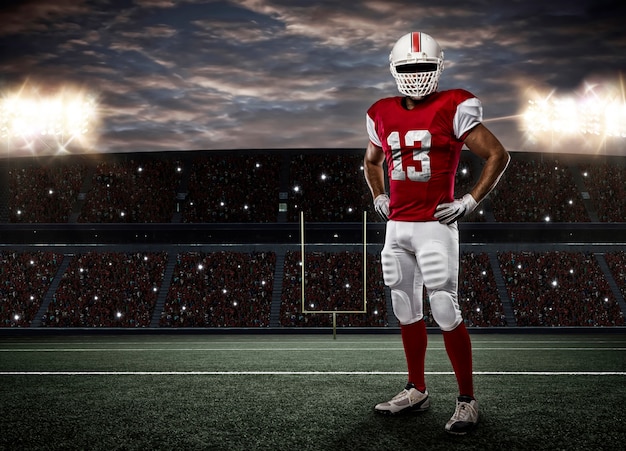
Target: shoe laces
pixel 403 394
pixel 464 411
pixel 406 393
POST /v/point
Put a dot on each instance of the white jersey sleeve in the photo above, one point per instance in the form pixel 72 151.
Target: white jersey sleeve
pixel 469 114
pixel 371 131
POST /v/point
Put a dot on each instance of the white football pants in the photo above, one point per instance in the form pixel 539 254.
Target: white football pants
pixel 418 254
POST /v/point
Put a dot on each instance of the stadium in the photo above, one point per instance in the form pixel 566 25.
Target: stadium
pixel 190 254
pixel 136 241
pixel 121 273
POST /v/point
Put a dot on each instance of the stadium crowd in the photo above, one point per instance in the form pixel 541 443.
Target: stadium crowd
pixel 107 290
pixel 538 191
pixel 605 184
pixel 327 187
pixel 478 293
pixel 132 192
pixel 42 194
pixel 558 289
pixel 102 289
pixel 233 188
pixel 25 279
pixel 234 289
pixel 617 265
pixel 220 289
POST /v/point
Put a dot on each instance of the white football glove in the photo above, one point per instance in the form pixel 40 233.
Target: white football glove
pixel 381 205
pixel 449 212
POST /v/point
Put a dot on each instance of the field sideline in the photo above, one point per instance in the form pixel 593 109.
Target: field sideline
pixel 303 392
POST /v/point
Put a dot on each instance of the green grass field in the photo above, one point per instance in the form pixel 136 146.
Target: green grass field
pixel 304 392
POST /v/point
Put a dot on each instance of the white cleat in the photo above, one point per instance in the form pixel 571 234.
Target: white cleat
pixel 465 416
pixel 408 400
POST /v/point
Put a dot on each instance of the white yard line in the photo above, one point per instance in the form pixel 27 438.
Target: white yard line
pixel 332 349
pixel 301 373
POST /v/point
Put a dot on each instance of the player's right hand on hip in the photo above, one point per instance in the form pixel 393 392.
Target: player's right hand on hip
pixel 381 205
pixel 449 212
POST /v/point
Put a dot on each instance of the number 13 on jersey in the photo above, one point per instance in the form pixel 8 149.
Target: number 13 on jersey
pixel 410 138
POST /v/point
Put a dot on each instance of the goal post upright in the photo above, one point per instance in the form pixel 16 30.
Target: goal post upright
pixel 364 261
pixel 303 275
pixel 302 261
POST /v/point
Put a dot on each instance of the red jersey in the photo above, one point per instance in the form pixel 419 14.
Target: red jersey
pixel 422 148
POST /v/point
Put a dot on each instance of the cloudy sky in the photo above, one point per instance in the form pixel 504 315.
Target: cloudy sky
pixel 275 74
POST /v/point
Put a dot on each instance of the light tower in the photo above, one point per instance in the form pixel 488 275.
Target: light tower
pixel 588 119
pixel 39 124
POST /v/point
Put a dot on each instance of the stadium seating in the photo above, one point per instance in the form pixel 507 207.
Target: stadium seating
pixel 107 290
pixel 617 264
pixel 43 194
pixel 605 184
pixel 329 187
pixel 26 277
pixel 233 188
pixel 538 191
pixel 119 288
pixel 220 289
pixel 132 192
pixel 558 289
pixel 478 294
pixel 234 289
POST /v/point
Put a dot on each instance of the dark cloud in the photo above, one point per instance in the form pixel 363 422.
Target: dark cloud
pixel 282 74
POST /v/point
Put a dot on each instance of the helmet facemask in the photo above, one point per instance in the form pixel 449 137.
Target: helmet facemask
pixel 416 63
pixel 417 80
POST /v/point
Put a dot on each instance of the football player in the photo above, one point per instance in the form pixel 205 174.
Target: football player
pixel 420 136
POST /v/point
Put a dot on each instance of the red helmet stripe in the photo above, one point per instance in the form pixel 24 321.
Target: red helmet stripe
pixel 415 41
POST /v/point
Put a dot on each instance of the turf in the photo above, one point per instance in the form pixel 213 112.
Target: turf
pixel 282 392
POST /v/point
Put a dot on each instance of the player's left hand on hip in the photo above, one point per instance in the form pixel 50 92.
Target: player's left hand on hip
pixel 449 212
pixel 381 205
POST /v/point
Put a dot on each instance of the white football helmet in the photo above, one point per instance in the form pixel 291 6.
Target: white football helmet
pixel 416 63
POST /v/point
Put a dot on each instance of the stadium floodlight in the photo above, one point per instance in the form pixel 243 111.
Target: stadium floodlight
pixel 598 111
pixel 53 121
pixel 567 116
pixel 45 117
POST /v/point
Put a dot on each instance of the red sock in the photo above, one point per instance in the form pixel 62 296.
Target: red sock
pixel 459 349
pixel 414 340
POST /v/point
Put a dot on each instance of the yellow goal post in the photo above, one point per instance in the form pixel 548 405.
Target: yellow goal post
pixel 303 283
